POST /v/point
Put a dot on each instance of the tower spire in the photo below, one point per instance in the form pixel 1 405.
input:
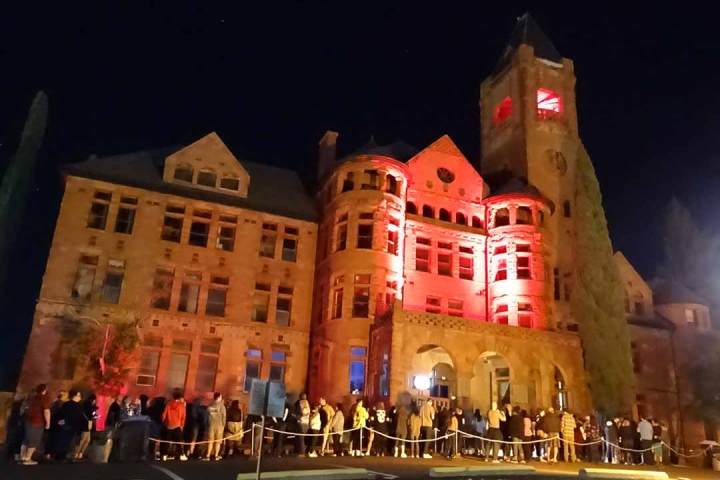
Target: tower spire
pixel 528 32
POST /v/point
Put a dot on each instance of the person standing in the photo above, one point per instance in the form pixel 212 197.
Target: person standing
pixel 414 427
pixel 234 427
pixel 645 429
pixel 611 440
pixel 427 417
pixel 527 435
pixel 553 425
pixel 37 420
pixel 173 418
pixel 379 424
pixel 217 416
pixel 627 441
pixel 516 429
pixel 302 414
pixel 89 408
pixel 479 429
pixel 401 428
pixel 452 429
pixel 315 432
pixel 281 424
pixel 359 422
pixel 326 415
pixel 494 418
pixel 72 422
pixel 337 425
pixel 567 427
pixel 52 437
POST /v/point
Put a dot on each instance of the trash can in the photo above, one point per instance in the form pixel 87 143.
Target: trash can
pixel 100 447
pixel 130 440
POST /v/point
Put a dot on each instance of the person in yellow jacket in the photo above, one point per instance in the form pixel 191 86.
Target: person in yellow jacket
pixel 567 428
pixel 360 416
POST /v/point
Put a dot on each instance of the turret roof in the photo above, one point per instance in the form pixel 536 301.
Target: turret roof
pixel 527 32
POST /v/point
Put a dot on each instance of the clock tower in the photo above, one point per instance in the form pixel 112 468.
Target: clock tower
pixel 529 130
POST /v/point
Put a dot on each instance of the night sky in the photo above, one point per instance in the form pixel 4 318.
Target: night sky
pixel 271 79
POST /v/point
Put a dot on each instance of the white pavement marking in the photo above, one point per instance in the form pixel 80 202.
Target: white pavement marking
pixel 167 472
pixel 383 475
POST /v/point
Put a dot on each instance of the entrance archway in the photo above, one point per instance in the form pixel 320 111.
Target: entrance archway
pixel 560 393
pixel 433 374
pixel 490 381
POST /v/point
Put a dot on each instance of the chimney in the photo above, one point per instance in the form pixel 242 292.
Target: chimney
pixel 327 150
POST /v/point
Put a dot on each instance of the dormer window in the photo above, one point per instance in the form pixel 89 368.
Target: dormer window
pixel 184 173
pixel 230 183
pixel 549 104
pixel 207 178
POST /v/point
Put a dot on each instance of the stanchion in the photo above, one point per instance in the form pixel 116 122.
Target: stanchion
pixel 360 447
pixel 260 448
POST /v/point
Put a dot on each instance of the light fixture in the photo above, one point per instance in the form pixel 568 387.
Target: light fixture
pixel 421 382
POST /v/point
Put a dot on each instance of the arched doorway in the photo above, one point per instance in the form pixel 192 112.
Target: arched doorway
pixel 491 381
pixel 560 393
pixel 433 375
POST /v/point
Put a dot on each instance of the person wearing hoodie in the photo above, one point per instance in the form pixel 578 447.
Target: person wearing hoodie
pixel 173 418
pixel 337 425
pixel 217 416
pixel 234 427
pixel 516 430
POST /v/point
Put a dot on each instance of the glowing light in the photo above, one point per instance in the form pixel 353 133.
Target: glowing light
pixel 548 103
pixel 421 382
pixel 503 110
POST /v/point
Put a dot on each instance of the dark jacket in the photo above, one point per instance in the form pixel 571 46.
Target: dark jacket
pixel 73 417
pixel 516 426
pixel 552 423
pixel 234 415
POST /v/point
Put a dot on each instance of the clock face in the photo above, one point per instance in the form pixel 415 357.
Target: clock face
pixel 445 175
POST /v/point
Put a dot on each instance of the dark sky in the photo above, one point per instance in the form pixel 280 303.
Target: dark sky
pixel 271 79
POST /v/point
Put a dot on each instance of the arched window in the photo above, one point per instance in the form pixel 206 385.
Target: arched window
pixel 445 215
pixel 391 184
pixel 207 178
pixel 428 211
pixel 230 182
pixel 460 218
pixel 184 173
pixel 349 182
pixel 411 208
pixel 502 217
pixel 560 401
pixel 524 216
pixel 476 222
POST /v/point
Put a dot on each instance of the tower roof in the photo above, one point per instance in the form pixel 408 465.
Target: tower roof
pixel 528 32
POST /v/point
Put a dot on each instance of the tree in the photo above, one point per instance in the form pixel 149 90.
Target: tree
pixel 17 181
pixel 597 301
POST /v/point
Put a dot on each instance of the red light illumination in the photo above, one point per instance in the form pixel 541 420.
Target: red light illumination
pixel 549 104
pixel 503 110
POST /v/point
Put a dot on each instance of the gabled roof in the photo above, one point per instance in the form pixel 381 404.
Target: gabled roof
pixel 273 190
pixel 670 291
pixel 527 32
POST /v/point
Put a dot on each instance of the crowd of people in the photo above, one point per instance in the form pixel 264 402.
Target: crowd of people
pixel 62 429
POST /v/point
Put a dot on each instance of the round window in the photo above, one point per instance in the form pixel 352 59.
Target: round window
pixel 445 175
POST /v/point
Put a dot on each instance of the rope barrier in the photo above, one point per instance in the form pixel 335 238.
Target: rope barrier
pixel 694 455
pixel 201 442
pixel 449 435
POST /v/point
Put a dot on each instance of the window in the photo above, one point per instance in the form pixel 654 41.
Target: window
pixel 501 314
pixel 337 305
pixel 548 104
pixel 207 365
pixel 177 371
pixel 207 178
pixel 411 208
pixel 460 218
pixel 268 240
pixel 217 296
pixel 428 211
pixel 99 210
pixel 289 246
pixel 113 281
pixel 432 304
pixel 691 317
pixel 173 223
pixel 162 288
pixel 422 258
pixel 85 278
pixel 502 111
pixel 189 292
pixel 126 215
pixel 349 182
pixel 445 215
pixel 226 233
pixel 502 217
pixel 524 315
pixel 466 263
pixel 501 272
pixel 566 209
pixel 253 363
pixel 524 216
pixel 184 173
pixel 556 284
pixel 365 235
pixel 261 300
pixel 522 247
pixel 278 359
pixel 523 268
pixel 455 307
pixel 358 366
pixel 444 260
pixel 200 228
pixel 392 243
pixel 500 249
pixel 147 372
pixel 283 306
pixel 230 183
pixel 636 358
pixel 371 177
pixel 361 297
pixel 476 222
pixel 391 184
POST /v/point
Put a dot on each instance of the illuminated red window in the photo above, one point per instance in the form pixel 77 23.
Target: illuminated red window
pixel 524 315
pixel 503 110
pixel 548 104
pixel 501 314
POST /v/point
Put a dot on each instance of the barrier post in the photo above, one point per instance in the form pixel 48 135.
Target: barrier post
pixel 260 448
pixel 360 447
pixel 456 443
